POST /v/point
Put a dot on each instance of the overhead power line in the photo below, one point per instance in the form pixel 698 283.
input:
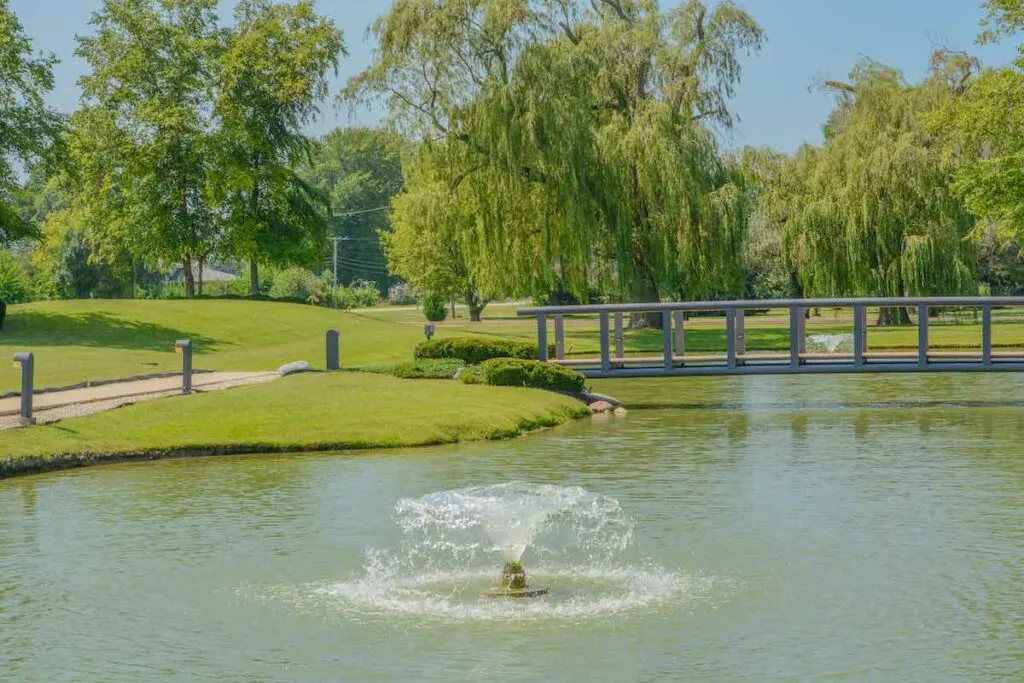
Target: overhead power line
pixel 361 212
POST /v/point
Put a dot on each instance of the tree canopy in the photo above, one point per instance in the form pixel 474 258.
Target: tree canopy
pixel 580 131
pixel 30 132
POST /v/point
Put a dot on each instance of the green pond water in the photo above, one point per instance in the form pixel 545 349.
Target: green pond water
pixel 765 529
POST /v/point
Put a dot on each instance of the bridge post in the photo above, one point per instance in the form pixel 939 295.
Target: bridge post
pixel 680 319
pixel 666 338
pixel 922 335
pixel 741 331
pixel 860 335
pixel 796 316
pixel 606 361
pixel 730 337
pixel 542 337
pixel 620 337
pixel 986 335
pixel 560 337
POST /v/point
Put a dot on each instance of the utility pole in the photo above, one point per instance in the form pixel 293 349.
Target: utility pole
pixel 335 241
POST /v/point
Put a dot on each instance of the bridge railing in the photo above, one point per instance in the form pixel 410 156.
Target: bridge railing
pixel 673 357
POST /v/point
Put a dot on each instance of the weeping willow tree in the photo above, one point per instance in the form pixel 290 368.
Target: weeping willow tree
pixel 583 132
pixel 871 212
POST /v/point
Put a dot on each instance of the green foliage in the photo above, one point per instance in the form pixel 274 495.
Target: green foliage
pixel 568 143
pixel 360 295
pixel 15 281
pixel 360 170
pixel 516 372
pixel 297 284
pixel 435 308
pixel 426 368
pixel 475 350
pixel 273 73
pixel 871 212
pixel 29 130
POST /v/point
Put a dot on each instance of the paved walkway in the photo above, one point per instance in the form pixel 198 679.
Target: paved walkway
pixel 59 405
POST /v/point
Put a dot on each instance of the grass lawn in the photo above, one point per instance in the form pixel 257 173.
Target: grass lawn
pixel 75 341
pixel 314 411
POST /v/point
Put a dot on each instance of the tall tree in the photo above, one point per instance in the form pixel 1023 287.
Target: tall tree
pixel 596 115
pixel 871 212
pixel 29 130
pixel 142 140
pixel 984 131
pixel 360 169
pixel 273 77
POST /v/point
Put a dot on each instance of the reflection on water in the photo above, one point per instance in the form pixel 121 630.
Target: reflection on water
pixel 806 528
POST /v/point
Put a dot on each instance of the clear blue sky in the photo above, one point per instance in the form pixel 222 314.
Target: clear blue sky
pixel 807 39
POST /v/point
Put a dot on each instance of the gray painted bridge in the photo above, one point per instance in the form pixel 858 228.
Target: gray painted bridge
pixel 736 360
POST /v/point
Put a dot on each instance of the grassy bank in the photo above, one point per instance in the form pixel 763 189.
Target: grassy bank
pixel 76 341
pixel 335 411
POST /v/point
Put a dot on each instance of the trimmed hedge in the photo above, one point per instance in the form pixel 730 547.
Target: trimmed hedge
pixel 429 368
pixel 473 350
pixel 516 372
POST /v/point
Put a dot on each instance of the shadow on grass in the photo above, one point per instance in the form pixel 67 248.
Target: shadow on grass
pixel 36 328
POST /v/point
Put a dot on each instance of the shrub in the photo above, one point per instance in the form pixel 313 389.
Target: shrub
pixel 516 372
pixel 435 308
pixel 431 368
pixel 361 294
pixel 297 284
pixel 473 350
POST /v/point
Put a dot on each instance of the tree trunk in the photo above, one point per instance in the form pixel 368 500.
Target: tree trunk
pixel 646 293
pixel 189 275
pixel 475 304
pixel 893 316
pixel 452 302
pixel 199 277
pixel 254 278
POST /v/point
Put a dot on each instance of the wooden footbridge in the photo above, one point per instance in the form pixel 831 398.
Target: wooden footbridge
pixel 737 360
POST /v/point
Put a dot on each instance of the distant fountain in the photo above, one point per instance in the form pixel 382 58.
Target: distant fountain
pixel 830 342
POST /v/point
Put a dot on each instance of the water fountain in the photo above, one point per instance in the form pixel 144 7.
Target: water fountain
pixel 831 342
pixel 461 552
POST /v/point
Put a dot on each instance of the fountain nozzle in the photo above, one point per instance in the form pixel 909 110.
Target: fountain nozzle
pixel 513 583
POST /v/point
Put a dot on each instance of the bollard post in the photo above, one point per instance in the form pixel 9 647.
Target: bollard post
pixel 428 331
pixel 184 347
pixel 333 355
pixel 28 363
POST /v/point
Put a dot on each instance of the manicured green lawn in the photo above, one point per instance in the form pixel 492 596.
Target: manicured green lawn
pixel 312 411
pixel 75 341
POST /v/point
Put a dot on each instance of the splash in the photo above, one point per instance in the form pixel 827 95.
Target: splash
pixel 831 342
pixel 578 543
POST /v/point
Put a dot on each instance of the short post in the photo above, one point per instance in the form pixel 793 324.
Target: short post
pixel 333 354
pixel 922 335
pixel 859 334
pixel 620 337
pixel 542 337
pixel 730 337
pixel 428 331
pixel 795 329
pixel 560 337
pixel 666 338
pixel 28 364
pixel 606 361
pixel 184 347
pixel 680 317
pixel 986 335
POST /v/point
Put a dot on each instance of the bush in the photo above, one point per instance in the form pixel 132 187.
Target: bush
pixel 296 284
pixel 361 294
pixel 435 308
pixel 516 372
pixel 474 351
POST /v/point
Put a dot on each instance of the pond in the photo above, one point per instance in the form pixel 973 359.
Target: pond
pixel 772 528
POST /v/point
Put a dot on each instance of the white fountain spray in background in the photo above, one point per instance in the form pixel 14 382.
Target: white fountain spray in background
pixel 831 342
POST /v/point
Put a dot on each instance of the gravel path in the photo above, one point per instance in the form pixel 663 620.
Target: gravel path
pixel 139 391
